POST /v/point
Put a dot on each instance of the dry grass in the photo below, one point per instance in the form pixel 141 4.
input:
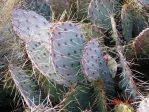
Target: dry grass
pixel 5 10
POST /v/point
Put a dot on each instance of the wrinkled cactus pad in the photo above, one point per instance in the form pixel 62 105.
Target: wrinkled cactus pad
pixel 66 50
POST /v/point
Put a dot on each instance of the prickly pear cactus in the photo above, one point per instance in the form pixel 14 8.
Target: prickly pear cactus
pixel 55 91
pixel 28 25
pixel 66 50
pixel 139 24
pixel 80 97
pixel 39 6
pixel 27 86
pixel 144 105
pixel 122 107
pixel 94 66
pixel 139 47
pixel 112 64
pixel 60 61
pixel 100 94
pixel 100 11
pixel 127 83
pixel 127 22
pixel 40 58
pixel 141 43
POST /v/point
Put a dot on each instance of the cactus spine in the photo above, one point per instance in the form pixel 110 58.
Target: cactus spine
pixel 144 105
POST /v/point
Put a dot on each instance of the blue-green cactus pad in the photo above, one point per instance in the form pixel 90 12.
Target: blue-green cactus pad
pixel 40 57
pixel 41 7
pixel 99 12
pixel 28 25
pixel 66 50
pixel 27 86
pixel 127 20
pixel 94 66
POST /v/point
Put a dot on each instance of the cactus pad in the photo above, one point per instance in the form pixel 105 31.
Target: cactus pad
pixel 79 99
pixel 66 50
pixel 112 64
pixel 139 24
pixel 39 6
pixel 127 83
pixel 94 66
pixel 141 42
pixel 39 56
pixel 100 11
pixel 127 22
pixel 27 86
pixel 28 25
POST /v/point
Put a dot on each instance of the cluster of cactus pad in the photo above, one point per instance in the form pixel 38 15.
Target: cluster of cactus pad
pixel 67 66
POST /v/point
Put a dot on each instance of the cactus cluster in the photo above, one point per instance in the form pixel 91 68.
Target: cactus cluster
pixel 72 66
